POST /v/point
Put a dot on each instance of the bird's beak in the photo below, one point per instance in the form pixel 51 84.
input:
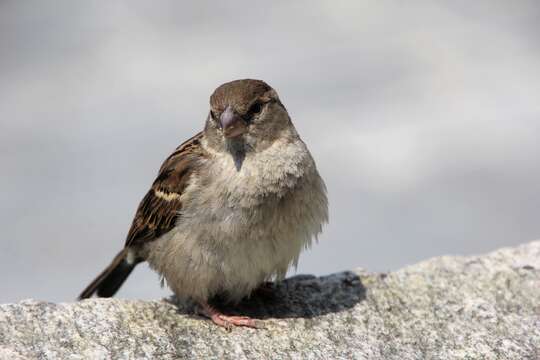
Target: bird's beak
pixel 232 124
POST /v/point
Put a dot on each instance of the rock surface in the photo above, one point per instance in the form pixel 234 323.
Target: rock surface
pixel 485 307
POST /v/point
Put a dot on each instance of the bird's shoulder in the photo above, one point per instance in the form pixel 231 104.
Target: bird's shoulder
pixel 159 209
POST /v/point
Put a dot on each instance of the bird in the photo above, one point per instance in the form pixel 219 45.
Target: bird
pixel 231 208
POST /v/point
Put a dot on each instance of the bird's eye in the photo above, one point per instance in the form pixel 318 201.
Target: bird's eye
pixel 255 108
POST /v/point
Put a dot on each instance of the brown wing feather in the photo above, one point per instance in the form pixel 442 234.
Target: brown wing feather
pixel 158 211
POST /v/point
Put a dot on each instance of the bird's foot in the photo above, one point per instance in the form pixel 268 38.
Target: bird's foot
pixel 227 321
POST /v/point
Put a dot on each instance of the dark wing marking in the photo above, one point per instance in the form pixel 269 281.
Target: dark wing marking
pixel 158 211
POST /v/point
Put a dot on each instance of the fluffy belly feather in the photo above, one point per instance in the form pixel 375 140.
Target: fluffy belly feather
pixel 254 237
pixel 231 255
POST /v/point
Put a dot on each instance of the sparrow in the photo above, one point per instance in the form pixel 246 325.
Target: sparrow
pixel 231 208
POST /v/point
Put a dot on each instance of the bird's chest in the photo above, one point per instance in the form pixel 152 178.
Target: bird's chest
pixel 242 200
pixel 244 193
pixel 240 225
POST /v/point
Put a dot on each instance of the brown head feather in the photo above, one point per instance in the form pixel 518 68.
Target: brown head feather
pixel 238 93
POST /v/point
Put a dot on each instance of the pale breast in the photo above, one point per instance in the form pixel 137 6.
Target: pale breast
pixel 241 226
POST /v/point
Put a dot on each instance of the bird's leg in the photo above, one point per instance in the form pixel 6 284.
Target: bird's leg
pixel 226 321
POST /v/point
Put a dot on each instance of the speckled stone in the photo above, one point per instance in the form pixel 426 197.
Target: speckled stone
pixel 485 307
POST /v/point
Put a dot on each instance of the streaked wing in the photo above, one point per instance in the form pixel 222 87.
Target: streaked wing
pixel 159 209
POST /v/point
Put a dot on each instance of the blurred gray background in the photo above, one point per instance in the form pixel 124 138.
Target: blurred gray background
pixel 424 119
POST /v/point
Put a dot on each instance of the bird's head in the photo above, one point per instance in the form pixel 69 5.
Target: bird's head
pixel 246 113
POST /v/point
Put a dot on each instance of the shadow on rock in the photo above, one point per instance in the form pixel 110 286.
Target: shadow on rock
pixel 301 296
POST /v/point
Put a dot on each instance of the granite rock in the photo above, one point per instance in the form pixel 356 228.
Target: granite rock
pixel 481 307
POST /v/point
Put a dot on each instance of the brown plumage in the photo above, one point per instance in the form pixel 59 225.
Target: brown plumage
pixel 159 209
pixel 230 208
pixel 109 280
pixel 156 214
pixel 242 93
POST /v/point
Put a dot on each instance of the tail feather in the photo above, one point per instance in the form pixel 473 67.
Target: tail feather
pixel 107 283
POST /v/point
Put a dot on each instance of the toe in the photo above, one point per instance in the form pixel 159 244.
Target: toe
pixel 242 321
